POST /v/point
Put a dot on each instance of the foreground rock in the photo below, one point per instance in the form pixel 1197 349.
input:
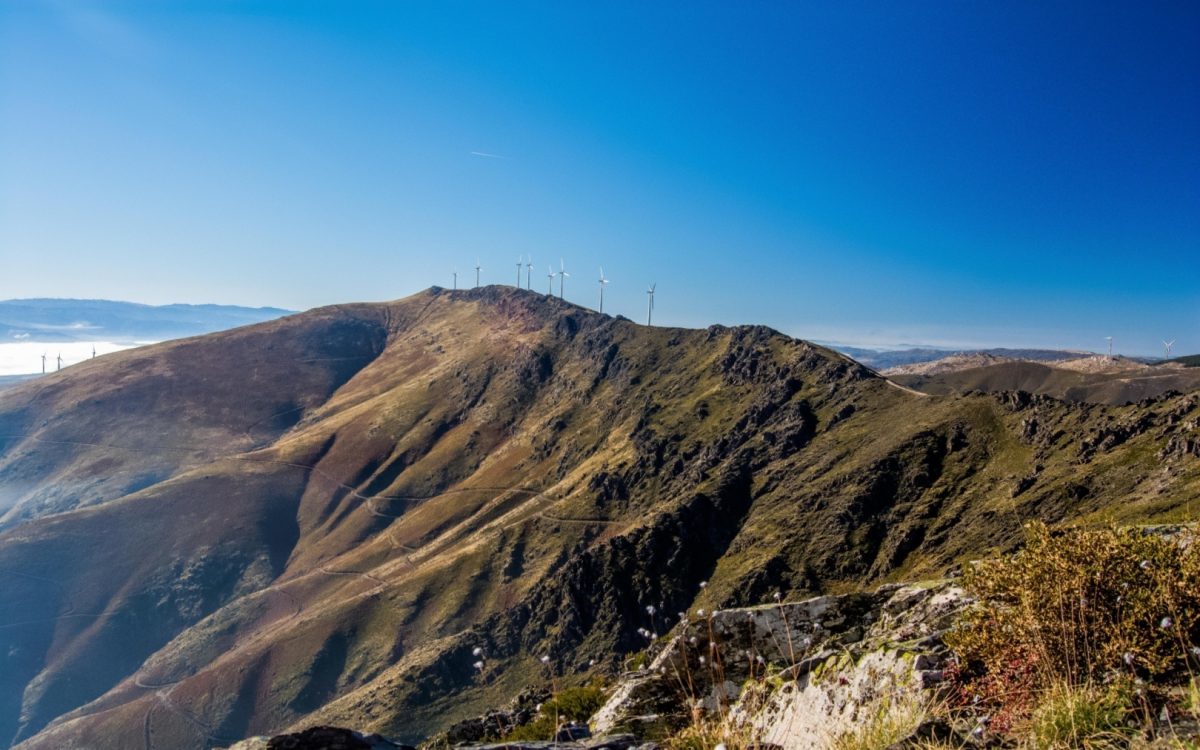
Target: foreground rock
pixel 319 738
pixel 609 742
pixel 795 675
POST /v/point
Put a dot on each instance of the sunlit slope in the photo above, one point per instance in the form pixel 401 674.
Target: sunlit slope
pixel 503 470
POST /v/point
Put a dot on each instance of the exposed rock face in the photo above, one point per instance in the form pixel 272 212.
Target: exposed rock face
pixel 795 675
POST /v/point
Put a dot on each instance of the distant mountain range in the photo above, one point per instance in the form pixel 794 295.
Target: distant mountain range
pixel 63 320
pixel 882 359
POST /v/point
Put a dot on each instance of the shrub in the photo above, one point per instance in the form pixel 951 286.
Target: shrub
pixel 1075 608
pixel 571 704
pixel 576 703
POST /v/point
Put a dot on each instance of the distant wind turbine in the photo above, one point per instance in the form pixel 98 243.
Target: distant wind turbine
pixel 93 351
pixel 529 273
pixel 454 273
pixel 1109 338
pixel 650 303
pixel 43 364
pixel 562 277
pixel 60 360
pixel 552 274
pixel 520 262
pixel 477 267
pixel 1167 345
pixel 603 281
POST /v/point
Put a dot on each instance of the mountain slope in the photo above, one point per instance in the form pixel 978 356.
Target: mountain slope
pixel 1096 380
pixel 488 468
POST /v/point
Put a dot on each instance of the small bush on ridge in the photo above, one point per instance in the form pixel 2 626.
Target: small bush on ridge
pixel 1077 608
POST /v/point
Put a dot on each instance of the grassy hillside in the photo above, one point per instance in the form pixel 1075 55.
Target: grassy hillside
pixel 335 528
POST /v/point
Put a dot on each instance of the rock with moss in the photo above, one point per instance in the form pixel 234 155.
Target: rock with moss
pixel 796 674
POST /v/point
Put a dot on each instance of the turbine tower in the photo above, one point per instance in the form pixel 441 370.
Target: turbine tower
pixel 603 281
pixel 59 361
pixel 562 277
pixel 43 364
pixel 551 275
pixel 93 351
pixel 1109 338
pixel 529 273
pixel 520 262
pixel 650 303
pixel 454 273
pixel 477 267
pixel 1167 345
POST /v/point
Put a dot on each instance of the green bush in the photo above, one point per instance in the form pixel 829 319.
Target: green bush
pixel 1076 608
pixel 571 704
pixel 576 703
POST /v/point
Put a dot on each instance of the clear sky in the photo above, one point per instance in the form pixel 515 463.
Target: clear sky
pixel 1010 173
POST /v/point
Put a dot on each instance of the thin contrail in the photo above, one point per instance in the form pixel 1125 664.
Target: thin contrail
pixel 486 155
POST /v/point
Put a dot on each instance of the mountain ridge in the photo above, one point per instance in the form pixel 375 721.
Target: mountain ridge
pixel 486 469
pixel 52 320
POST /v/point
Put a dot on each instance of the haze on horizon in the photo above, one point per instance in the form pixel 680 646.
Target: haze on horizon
pixel 1015 175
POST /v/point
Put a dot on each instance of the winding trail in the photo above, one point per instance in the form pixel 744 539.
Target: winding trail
pixel 905 388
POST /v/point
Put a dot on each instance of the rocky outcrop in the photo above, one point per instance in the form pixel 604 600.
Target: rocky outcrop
pixel 795 675
pixel 320 738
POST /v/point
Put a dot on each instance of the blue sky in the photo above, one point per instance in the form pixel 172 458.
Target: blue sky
pixel 878 173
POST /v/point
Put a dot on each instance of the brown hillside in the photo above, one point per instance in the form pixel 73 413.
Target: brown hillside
pixel 1092 380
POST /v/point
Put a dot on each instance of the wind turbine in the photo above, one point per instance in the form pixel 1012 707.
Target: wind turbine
pixel 520 262
pixel 650 303
pixel 454 273
pixel 1109 339
pixel 1167 345
pixel 550 291
pixel 603 281
pixel 529 273
pixel 93 351
pixel 562 277
pixel 59 360
pixel 477 267
pixel 43 363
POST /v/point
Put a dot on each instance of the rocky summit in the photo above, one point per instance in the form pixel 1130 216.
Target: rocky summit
pixel 396 517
